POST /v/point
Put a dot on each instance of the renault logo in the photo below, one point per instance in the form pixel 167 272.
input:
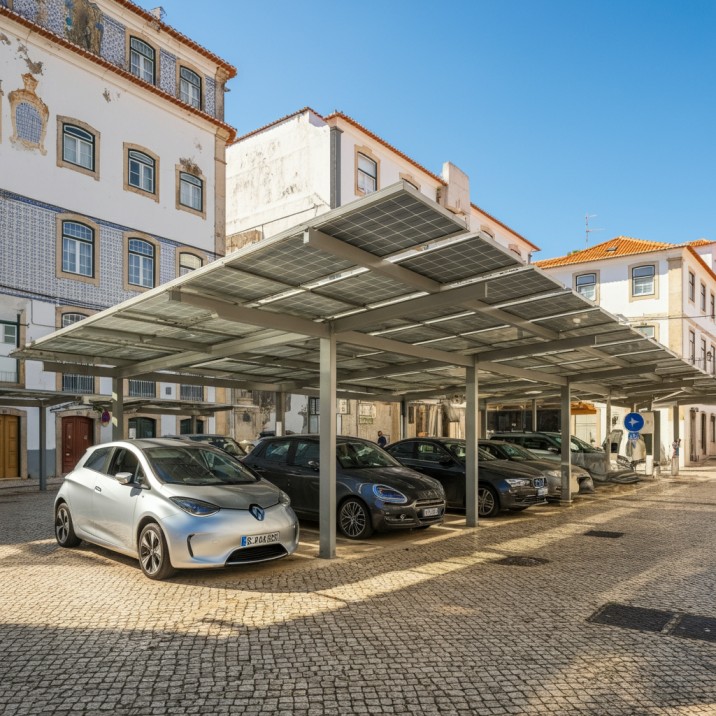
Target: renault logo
pixel 257 512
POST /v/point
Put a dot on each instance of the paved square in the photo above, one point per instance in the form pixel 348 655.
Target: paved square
pixel 428 622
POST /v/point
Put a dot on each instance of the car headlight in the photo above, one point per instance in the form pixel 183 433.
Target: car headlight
pixel 283 498
pixel 389 494
pixel 195 507
pixel 517 482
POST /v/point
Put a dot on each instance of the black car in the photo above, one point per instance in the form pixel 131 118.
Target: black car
pixel 502 485
pixel 551 470
pixel 373 490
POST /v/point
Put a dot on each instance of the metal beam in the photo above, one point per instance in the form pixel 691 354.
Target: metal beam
pixel 327 448
pixel 471 462
pixel 252 316
pixel 341 249
pixel 389 345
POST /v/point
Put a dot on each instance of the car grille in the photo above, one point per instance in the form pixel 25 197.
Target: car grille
pixel 261 553
pixel 429 495
pixel 438 502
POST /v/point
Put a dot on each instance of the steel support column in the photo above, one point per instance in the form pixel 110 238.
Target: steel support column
pixel 404 419
pixel 471 471
pixel 117 409
pixel 534 415
pixel 43 446
pixel 607 439
pixel 566 399
pixel 280 413
pixel 327 488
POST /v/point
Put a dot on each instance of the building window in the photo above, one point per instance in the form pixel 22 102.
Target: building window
pixel 78 146
pixel 713 428
pixel 713 307
pixel 141 60
pixel 703 298
pixel 190 87
pixel 142 428
pixel 9 341
pixel 367 174
pixel 692 287
pixel 642 280
pixel 29 115
pixel 142 388
pixel 711 359
pixel 77 249
pixel 703 354
pixel 692 346
pixel 586 284
pixel 648 331
pixel 191 392
pixel 189 262
pixel 191 192
pixel 73 383
pixel 140 264
pixel 141 171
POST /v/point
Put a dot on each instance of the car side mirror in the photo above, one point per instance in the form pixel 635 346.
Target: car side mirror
pixel 314 465
pixel 124 478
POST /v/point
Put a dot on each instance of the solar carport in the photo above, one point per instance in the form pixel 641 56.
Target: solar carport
pixel 389 298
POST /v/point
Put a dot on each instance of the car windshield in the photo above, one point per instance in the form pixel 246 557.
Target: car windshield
pixel 482 454
pixel 359 455
pixel 516 452
pixel 228 445
pixel 577 444
pixel 196 466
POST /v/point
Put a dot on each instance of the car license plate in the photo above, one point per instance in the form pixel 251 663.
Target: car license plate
pixel 431 512
pixel 252 540
pixel 541 491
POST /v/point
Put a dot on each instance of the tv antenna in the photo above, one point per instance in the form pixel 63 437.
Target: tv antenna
pixel 587 230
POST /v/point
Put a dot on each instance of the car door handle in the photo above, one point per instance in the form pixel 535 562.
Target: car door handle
pixel 98 489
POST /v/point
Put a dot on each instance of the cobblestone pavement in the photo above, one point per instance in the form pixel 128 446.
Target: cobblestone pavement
pixel 428 622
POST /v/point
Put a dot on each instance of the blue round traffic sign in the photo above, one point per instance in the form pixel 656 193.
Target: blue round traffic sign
pixel 634 422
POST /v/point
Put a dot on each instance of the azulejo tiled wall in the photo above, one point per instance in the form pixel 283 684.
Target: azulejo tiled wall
pixel 27 263
pixel 210 96
pixel 168 70
pixel 113 47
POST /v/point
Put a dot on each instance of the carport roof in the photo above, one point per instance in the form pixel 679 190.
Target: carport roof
pixel 412 297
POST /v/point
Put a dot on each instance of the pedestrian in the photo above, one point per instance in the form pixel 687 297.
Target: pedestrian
pixel 382 440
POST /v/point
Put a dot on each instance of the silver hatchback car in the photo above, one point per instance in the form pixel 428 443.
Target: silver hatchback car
pixel 174 506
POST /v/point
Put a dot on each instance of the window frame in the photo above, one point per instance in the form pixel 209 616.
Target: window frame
pixel 577 276
pixel 654 282
pixel 193 70
pixel 692 347
pixel 130 236
pixel 60 313
pixel 127 149
pixel 180 173
pixel 62 123
pixel 370 156
pixel 154 60
pixel 692 287
pixel 189 252
pixel 60 271
pixel 702 297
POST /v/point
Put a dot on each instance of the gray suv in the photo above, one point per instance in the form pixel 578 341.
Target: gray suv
pixel 549 446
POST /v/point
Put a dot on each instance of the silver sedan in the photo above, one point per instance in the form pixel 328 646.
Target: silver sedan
pixel 173 506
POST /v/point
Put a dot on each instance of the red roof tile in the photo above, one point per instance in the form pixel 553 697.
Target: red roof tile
pixel 618 246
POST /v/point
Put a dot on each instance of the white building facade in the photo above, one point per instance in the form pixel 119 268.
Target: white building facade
pixel 668 291
pixel 305 164
pixel 112 147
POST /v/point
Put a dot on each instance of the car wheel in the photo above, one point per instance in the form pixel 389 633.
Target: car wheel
pixel 153 553
pixel 488 504
pixel 64 530
pixel 354 519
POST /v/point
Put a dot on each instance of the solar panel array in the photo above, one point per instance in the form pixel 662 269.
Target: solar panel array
pixel 499 303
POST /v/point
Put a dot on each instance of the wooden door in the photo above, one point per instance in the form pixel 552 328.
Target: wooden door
pixel 9 446
pixel 77 434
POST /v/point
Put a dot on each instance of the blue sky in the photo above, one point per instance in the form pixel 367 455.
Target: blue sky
pixel 554 108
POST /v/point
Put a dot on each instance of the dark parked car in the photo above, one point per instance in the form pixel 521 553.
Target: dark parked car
pixel 549 445
pixel 373 490
pixel 502 485
pixel 223 442
pixel 551 470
